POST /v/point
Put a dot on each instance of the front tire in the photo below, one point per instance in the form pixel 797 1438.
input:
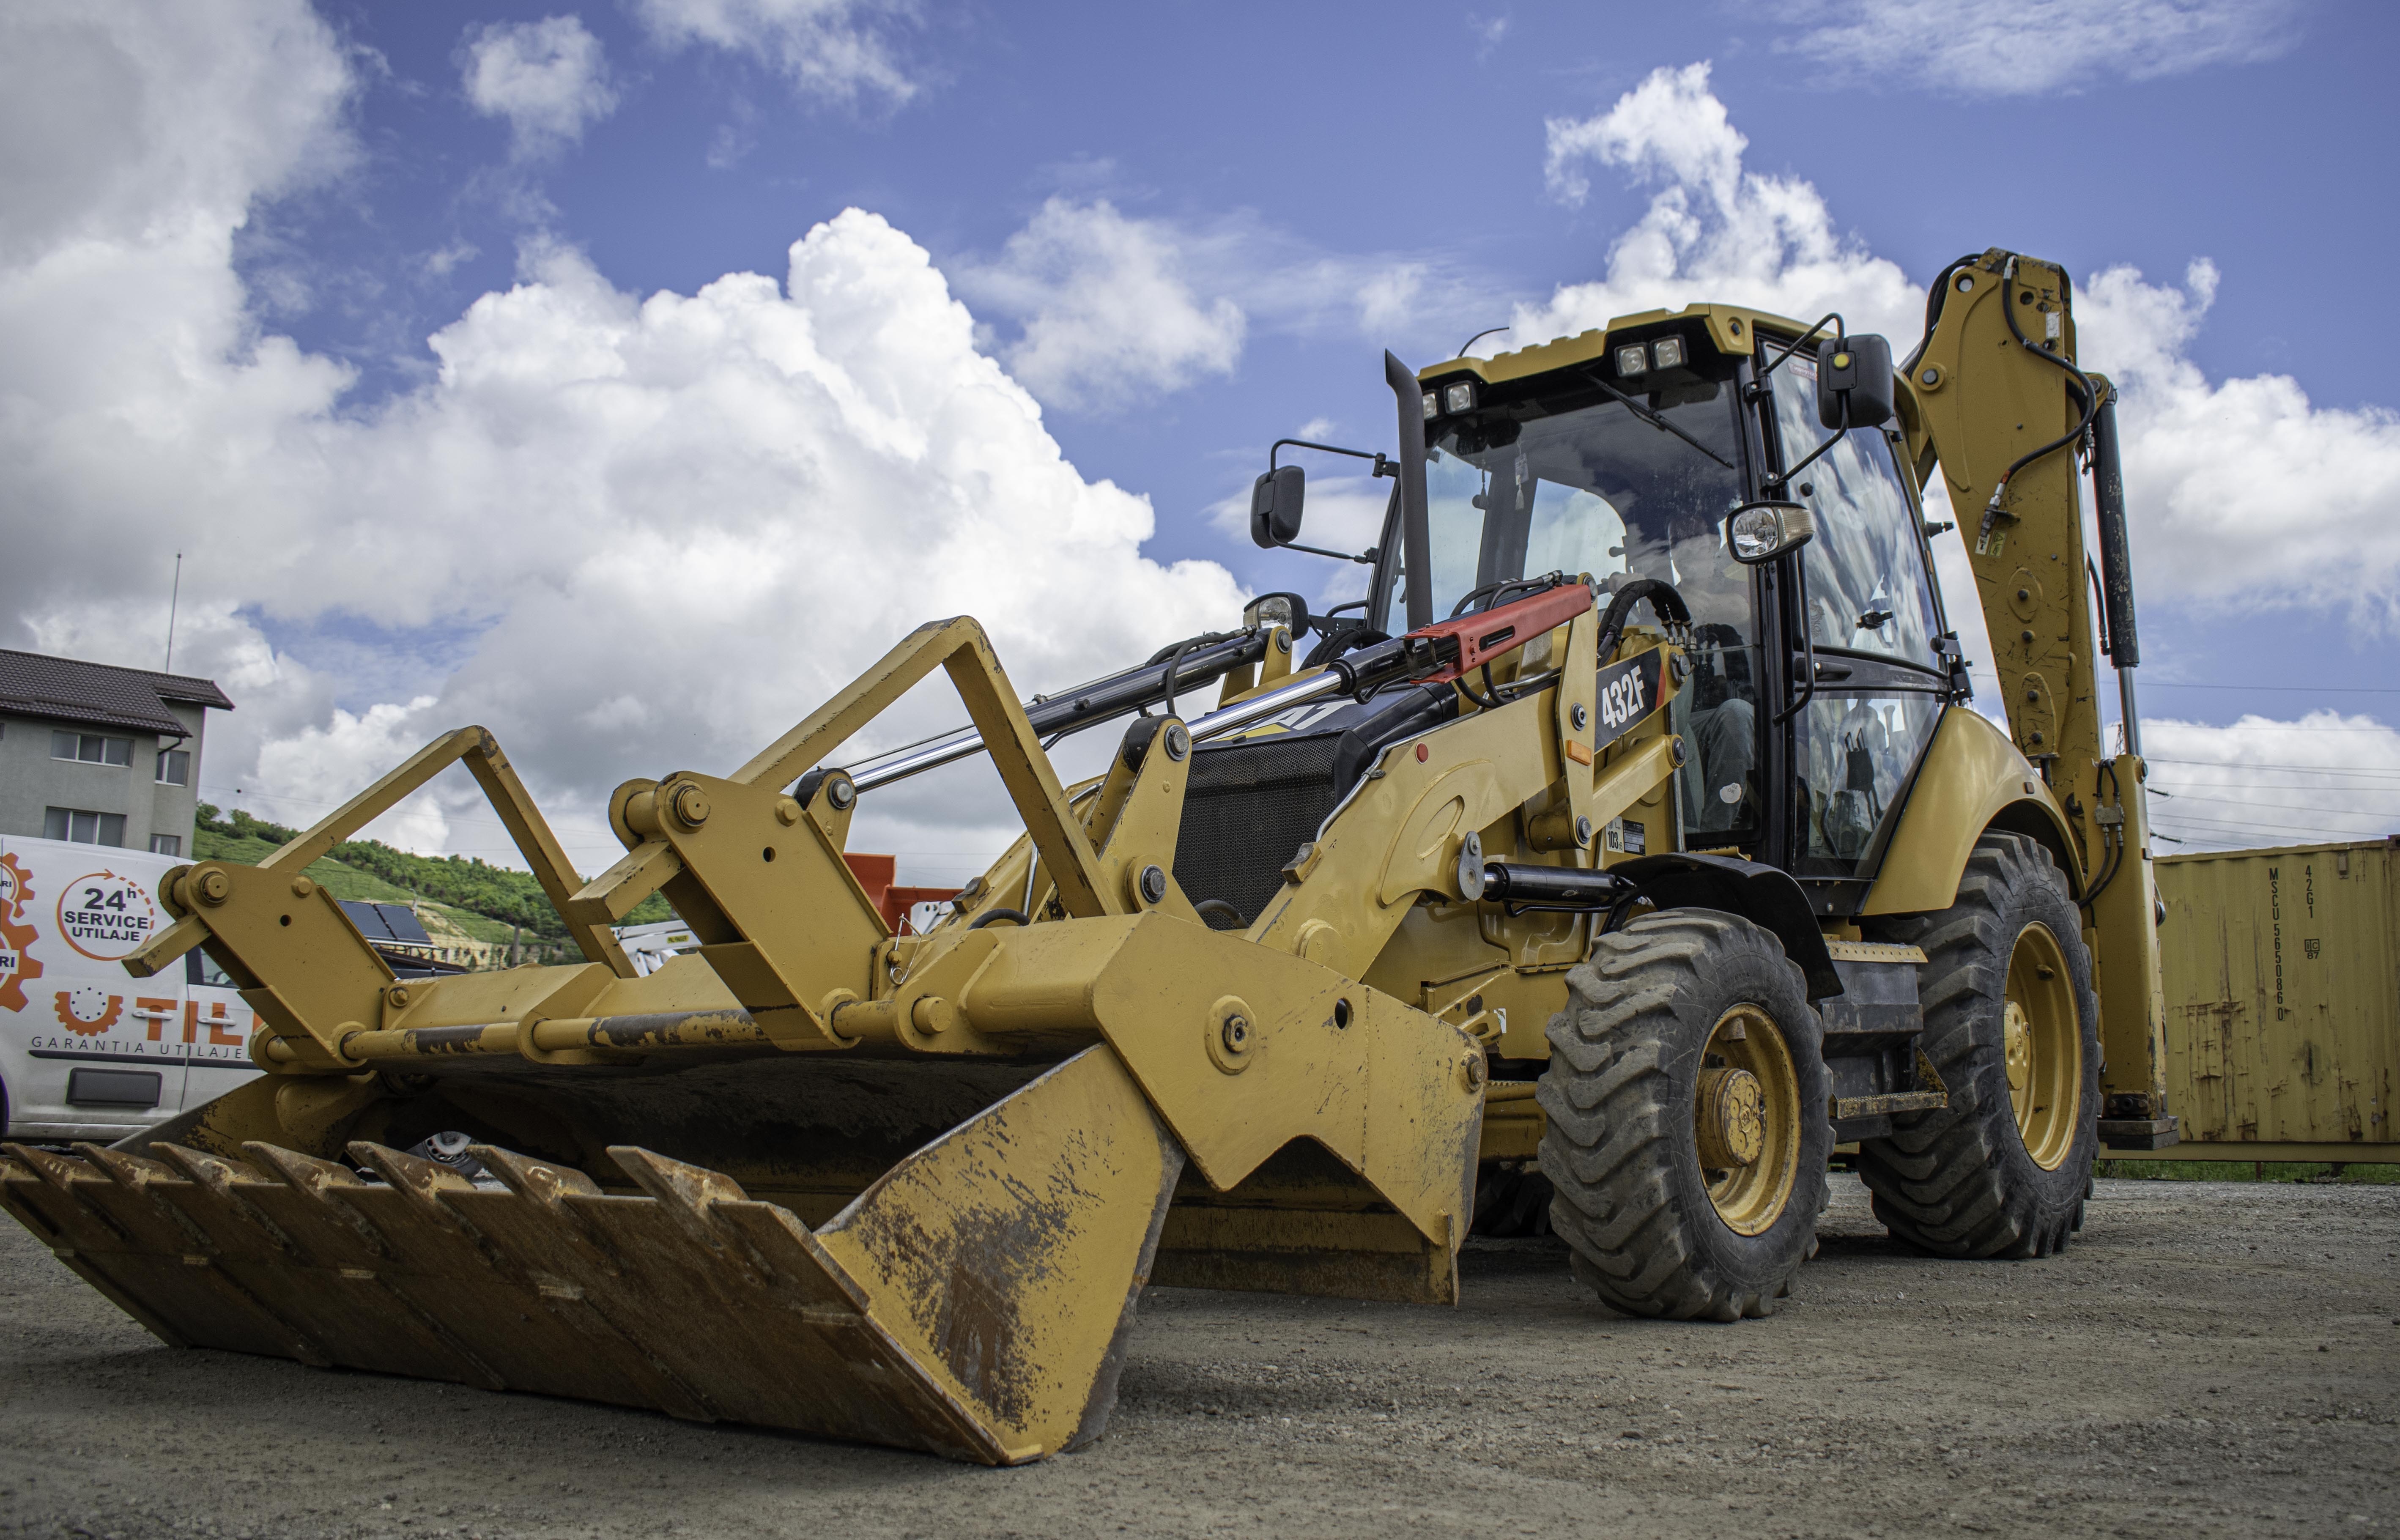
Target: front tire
pixel 1686 1100
pixel 2011 1026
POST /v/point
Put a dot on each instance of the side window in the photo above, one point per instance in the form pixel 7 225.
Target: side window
pixel 1868 587
pixel 1853 754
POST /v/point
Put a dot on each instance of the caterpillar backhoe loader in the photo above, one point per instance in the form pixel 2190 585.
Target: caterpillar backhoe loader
pixel 1628 846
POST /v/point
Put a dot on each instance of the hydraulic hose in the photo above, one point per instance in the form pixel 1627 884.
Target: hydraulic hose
pixel 2090 394
pixel 1665 602
pixel 1935 298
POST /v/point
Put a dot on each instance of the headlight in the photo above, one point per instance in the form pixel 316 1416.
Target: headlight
pixel 1268 609
pixel 1433 408
pixel 1762 531
pixel 1458 397
pixel 1667 353
pixel 1633 359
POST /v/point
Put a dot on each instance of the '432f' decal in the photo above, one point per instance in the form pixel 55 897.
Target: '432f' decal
pixel 1628 691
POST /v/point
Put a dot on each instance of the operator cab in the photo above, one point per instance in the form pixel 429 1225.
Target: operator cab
pixel 1621 454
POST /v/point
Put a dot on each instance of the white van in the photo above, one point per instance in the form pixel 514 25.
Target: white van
pixel 86 1050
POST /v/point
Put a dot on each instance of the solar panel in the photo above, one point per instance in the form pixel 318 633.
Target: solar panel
pixel 387 923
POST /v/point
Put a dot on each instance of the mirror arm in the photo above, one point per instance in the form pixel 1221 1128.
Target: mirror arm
pixel 1368 558
pixel 1758 387
pixel 1384 466
pixel 1784 479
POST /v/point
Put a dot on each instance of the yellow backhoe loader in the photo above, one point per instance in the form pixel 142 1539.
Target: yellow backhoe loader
pixel 1629 846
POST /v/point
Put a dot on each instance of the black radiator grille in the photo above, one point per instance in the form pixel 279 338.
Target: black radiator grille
pixel 1248 808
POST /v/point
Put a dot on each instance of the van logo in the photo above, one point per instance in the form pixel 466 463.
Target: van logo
pixel 18 966
pixel 106 917
pixel 89 1010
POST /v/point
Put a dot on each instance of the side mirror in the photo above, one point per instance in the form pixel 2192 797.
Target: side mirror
pixel 1762 531
pixel 1854 382
pixel 1275 505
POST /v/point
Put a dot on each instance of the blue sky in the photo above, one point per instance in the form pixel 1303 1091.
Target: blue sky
pixel 1272 194
pixel 1418 134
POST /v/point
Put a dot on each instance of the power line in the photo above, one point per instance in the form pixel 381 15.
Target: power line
pixel 2271 828
pixel 2287 807
pixel 2275 785
pixel 2246 764
pixel 2284 690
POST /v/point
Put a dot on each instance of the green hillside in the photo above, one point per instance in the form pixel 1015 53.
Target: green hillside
pixel 488 903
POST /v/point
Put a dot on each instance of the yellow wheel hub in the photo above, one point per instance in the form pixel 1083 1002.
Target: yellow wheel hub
pixel 1731 1121
pixel 1746 1120
pixel 2042 1041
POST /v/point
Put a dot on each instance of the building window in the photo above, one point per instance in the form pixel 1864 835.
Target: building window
pixel 91 748
pixel 175 768
pixel 83 827
pixel 166 844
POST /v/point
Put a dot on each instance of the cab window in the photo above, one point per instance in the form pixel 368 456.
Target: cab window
pixel 1869 590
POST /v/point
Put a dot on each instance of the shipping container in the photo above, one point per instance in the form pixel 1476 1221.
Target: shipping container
pixel 2281 972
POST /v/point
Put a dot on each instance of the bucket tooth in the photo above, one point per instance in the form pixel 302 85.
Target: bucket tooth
pixel 139 1230
pixel 322 1179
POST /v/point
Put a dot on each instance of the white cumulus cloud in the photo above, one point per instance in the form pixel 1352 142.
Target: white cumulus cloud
pixel 2262 780
pixel 834 49
pixel 626 532
pixel 2240 490
pixel 2243 495
pixel 2038 46
pixel 1713 229
pixel 549 78
pixel 2245 490
pixel 1106 310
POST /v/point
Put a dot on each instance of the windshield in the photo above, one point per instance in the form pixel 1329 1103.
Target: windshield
pixel 1595 488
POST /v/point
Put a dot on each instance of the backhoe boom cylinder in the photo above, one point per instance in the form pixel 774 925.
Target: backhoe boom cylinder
pixel 2115 566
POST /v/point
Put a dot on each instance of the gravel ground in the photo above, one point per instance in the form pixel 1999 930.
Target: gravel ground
pixel 2208 1359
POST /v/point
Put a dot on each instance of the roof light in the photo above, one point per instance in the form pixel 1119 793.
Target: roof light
pixel 1433 408
pixel 1668 352
pixel 1633 359
pixel 1458 397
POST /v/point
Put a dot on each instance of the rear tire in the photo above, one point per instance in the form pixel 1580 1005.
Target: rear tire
pixel 2004 1170
pixel 1687 1029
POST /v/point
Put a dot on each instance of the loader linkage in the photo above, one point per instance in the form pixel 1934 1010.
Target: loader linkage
pixel 904 1190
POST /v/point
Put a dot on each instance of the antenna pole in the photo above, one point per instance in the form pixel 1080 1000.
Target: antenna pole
pixel 172 598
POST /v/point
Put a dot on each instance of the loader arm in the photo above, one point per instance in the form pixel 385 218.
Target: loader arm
pixel 901 1188
pixel 1992 401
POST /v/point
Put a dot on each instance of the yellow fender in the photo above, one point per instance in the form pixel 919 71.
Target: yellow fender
pixel 1972 780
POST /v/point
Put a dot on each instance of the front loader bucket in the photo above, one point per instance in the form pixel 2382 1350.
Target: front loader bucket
pixel 974 1302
